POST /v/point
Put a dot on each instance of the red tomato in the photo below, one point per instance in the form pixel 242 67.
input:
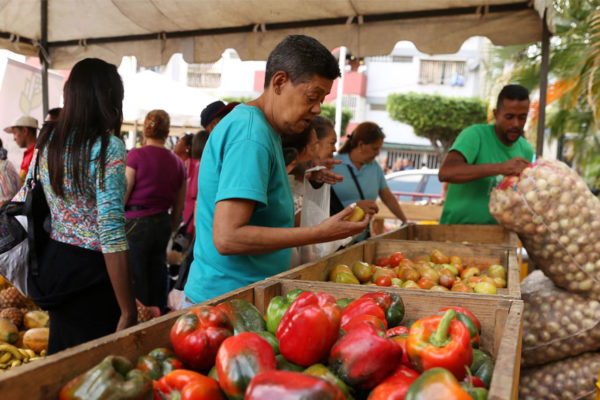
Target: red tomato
pixel 383 262
pixel 384 280
pixel 396 258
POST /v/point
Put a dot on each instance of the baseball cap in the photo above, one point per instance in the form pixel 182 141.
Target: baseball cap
pixel 226 109
pixel 24 120
pixel 210 111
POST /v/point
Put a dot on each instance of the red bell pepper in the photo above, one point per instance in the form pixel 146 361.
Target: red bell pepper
pixel 359 319
pixel 183 384
pixel 363 357
pixel 397 331
pixel 309 328
pixel 197 335
pixel 468 313
pixel 361 307
pixel 395 386
pixel 401 340
pixel 436 384
pixel 239 359
pixel 440 341
pixel 392 306
pixel 277 385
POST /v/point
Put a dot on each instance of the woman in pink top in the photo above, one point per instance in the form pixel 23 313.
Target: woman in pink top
pixel 156 184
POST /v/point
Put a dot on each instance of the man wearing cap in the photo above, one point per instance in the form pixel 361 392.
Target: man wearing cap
pixel 207 116
pixel 24 130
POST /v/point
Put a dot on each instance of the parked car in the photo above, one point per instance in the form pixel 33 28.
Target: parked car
pixel 415 184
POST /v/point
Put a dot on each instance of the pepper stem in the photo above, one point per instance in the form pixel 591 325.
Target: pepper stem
pixel 440 337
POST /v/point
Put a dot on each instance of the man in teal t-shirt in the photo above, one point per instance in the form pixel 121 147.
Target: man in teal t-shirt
pixel 245 209
pixel 482 155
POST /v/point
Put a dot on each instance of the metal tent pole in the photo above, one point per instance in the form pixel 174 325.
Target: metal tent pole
pixel 340 95
pixel 539 148
pixel 42 55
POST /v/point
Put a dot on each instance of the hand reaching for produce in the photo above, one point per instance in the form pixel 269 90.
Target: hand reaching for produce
pixel 369 206
pixel 514 166
pixel 335 227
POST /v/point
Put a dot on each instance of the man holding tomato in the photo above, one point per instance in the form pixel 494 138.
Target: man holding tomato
pixel 482 155
pixel 245 209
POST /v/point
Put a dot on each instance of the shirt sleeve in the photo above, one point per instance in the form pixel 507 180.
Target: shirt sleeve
pixel 245 172
pixel 133 159
pixel 467 143
pixel 109 199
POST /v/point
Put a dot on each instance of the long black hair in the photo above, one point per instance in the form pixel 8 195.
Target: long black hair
pixel 93 97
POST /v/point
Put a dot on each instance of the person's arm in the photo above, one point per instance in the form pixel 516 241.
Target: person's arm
pixel 119 272
pixel 455 168
pixel 233 235
pixel 390 201
pixel 178 207
pixel 368 206
pixel 130 176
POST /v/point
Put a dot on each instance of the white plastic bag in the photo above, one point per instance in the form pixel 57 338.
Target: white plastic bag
pixel 13 263
pixel 315 209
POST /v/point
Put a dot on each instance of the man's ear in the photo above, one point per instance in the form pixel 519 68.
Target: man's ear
pixel 495 111
pixel 280 79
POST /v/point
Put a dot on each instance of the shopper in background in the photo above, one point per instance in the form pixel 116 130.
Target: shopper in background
pixel 363 177
pixel 84 278
pixel 156 183
pixel 207 116
pixel 326 136
pixel 9 178
pixel 24 130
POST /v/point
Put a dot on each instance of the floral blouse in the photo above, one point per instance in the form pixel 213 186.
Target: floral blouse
pixel 94 220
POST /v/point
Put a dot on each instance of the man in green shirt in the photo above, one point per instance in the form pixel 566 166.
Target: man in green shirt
pixel 482 155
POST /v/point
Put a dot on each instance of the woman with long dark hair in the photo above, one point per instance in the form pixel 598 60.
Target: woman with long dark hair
pixel 363 177
pixel 84 279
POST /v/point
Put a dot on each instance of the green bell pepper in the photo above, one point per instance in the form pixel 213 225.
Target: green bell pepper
pixel 271 338
pixel 343 303
pixel 113 378
pixel 476 393
pixel 244 316
pixel 285 365
pixel 482 366
pixel 278 306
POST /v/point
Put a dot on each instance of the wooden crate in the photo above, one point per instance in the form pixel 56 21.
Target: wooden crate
pixel 43 379
pixel 500 317
pixel 471 234
pixel 371 250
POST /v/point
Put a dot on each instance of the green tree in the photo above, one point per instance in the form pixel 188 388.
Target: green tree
pixel 328 110
pixel 437 118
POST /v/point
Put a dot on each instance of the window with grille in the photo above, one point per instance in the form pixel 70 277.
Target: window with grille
pixel 441 72
pixel 204 75
pixel 394 59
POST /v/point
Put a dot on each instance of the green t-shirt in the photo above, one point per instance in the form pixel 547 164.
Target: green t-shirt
pixel 467 203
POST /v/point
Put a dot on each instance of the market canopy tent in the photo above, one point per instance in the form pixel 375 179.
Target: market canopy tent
pixel 63 32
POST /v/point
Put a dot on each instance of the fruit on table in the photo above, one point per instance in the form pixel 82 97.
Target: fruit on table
pixel 436 384
pixel 363 357
pixel 13 314
pixel 395 386
pixel 9 333
pixel 11 297
pixel 363 271
pixel 12 356
pixel 309 328
pixel 197 335
pixel 337 269
pixel 244 316
pixel 392 305
pixel 357 215
pixel 36 339
pixel 440 341
pixel 187 385
pixel 485 287
pixel 278 306
pixel 113 378
pixel 297 386
pixel 346 277
pixel 36 319
pixel 239 359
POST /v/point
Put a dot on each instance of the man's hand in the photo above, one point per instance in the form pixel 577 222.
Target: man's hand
pixel 514 166
pixel 324 176
pixel 335 227
pixel 368 206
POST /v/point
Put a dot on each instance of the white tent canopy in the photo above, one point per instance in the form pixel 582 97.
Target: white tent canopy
pixel 153 30
pixel 63 32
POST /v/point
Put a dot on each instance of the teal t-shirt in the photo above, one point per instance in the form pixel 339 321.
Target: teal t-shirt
pixel 242 159
pixel 468 203
pixel 370 177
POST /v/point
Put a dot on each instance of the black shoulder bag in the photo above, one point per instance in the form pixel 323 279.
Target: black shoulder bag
pixel 360 193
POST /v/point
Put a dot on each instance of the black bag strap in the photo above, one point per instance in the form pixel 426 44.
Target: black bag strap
pixel 37 211
pixel 360 192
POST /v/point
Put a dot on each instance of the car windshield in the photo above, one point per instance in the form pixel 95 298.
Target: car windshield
pixel 434 186
pixel 405 183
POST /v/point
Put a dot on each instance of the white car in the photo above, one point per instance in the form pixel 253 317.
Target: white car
pixel 415 184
